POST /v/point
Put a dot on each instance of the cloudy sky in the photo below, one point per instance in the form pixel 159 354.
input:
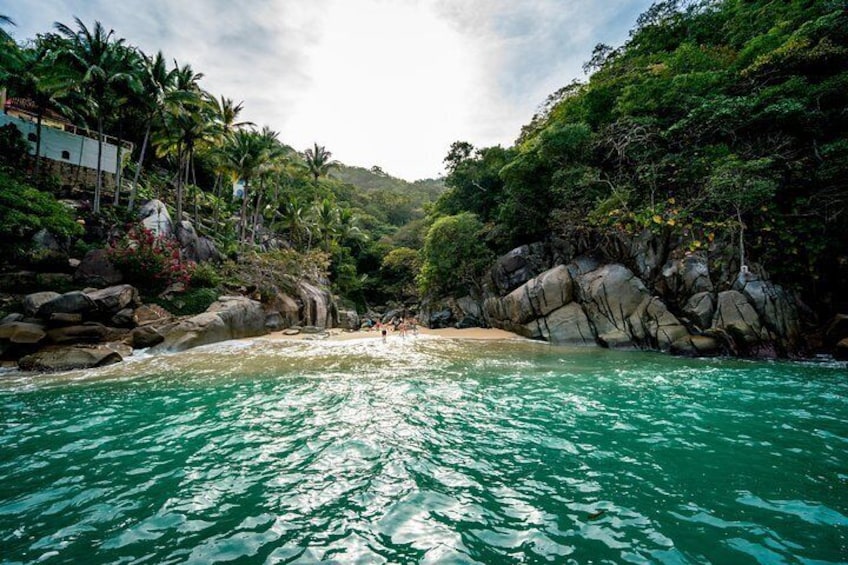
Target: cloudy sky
pixel 378 82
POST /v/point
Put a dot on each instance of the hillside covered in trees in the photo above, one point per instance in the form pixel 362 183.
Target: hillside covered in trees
pixel 718 123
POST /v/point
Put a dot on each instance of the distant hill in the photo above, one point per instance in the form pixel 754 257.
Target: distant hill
pixel 388 198
pixel 373 180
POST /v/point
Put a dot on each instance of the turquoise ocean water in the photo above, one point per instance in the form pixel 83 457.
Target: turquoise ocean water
pixel 425 451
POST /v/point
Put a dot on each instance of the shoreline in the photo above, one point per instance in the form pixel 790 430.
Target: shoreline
pixel 336 334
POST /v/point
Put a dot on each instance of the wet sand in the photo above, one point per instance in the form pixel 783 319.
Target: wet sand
pixel 336 334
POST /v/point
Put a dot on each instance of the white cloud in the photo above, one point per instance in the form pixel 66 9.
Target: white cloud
pixel 378 82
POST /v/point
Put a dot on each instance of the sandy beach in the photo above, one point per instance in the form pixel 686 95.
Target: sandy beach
pixel 451 333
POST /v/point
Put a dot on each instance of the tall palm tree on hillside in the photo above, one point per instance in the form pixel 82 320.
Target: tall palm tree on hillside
pixel 245 152
pixel 99 63
pixel 157 86
pixel 318 159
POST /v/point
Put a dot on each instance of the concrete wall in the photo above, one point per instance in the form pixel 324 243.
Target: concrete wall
pixel 65 147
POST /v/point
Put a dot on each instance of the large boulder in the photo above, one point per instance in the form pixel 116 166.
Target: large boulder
pixel 653 326
pixel 74 302
pixel 89 332
pixel 735 316
pixel 610 295
pixel 348 319
pixel 145 336
pixel 63 358
pixel 566 325
pixel 230 317
pixel 534 299
pixel 696 346
pixel 194 247
pixel 96 270
pixel 111 300
pixel 22 332
pixel 316 305
pixel 683 278
pixel 34 301
pixel 288 309
pixel 517 267
pixel 775 307
pixel 700 309
pixel 155 217
pixel 46 252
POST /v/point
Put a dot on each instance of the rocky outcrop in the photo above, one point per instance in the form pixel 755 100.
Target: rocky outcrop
pixel 589 301
pixel 96 270
pixel 517 267
pixel 75 302
pixel 194 247
pixel 231 317
pixel 318 308
pixel 61 330
pixel 70 358
pixel 154 216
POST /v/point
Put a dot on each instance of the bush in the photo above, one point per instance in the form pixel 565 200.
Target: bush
pixel 454 255
pixel 205 275
pixel 26 210
pixel 189 303
pixel 150 262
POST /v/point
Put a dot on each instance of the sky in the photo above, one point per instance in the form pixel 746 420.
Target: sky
pixel 388 83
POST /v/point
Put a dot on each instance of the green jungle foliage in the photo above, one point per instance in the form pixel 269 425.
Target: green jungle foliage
pixel 716 118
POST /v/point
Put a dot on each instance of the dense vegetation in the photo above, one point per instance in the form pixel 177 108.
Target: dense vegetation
pixel 719 124
pixel 189 149
pixel 717 121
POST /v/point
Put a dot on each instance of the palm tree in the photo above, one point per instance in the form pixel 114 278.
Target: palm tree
pixel 31 74
pixel 157 83
pixel 99 63
pixel 245 152
pixel 318 161
pixel 187 122
pixel 294 218
pixel 326 218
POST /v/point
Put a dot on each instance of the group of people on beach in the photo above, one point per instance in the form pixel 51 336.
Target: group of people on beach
pixel 397 324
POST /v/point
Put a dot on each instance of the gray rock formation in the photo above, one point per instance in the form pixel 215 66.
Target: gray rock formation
pixel 588 301
pixel 316 310
pixel 194 247
pixel 22 332
pixel 61 358
pixel 74 302
pixel 111 300
pixel 34 301
pixel 517 267
pixel 231 317
pixel 96 270
pixel 145 336
pixel 155 217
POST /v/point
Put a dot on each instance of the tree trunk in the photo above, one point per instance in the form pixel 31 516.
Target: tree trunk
pixel 244 212
pixel 118 168
pixel 179 210
pixel 38 147
pixel 133 191
pixel 98 186
pixel 741 239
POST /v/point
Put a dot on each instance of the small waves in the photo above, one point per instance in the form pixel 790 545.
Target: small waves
pixel 426 451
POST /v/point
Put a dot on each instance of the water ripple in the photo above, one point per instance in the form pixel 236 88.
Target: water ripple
pixel 425 451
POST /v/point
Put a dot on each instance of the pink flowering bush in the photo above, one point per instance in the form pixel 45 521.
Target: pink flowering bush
pixel 148 261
